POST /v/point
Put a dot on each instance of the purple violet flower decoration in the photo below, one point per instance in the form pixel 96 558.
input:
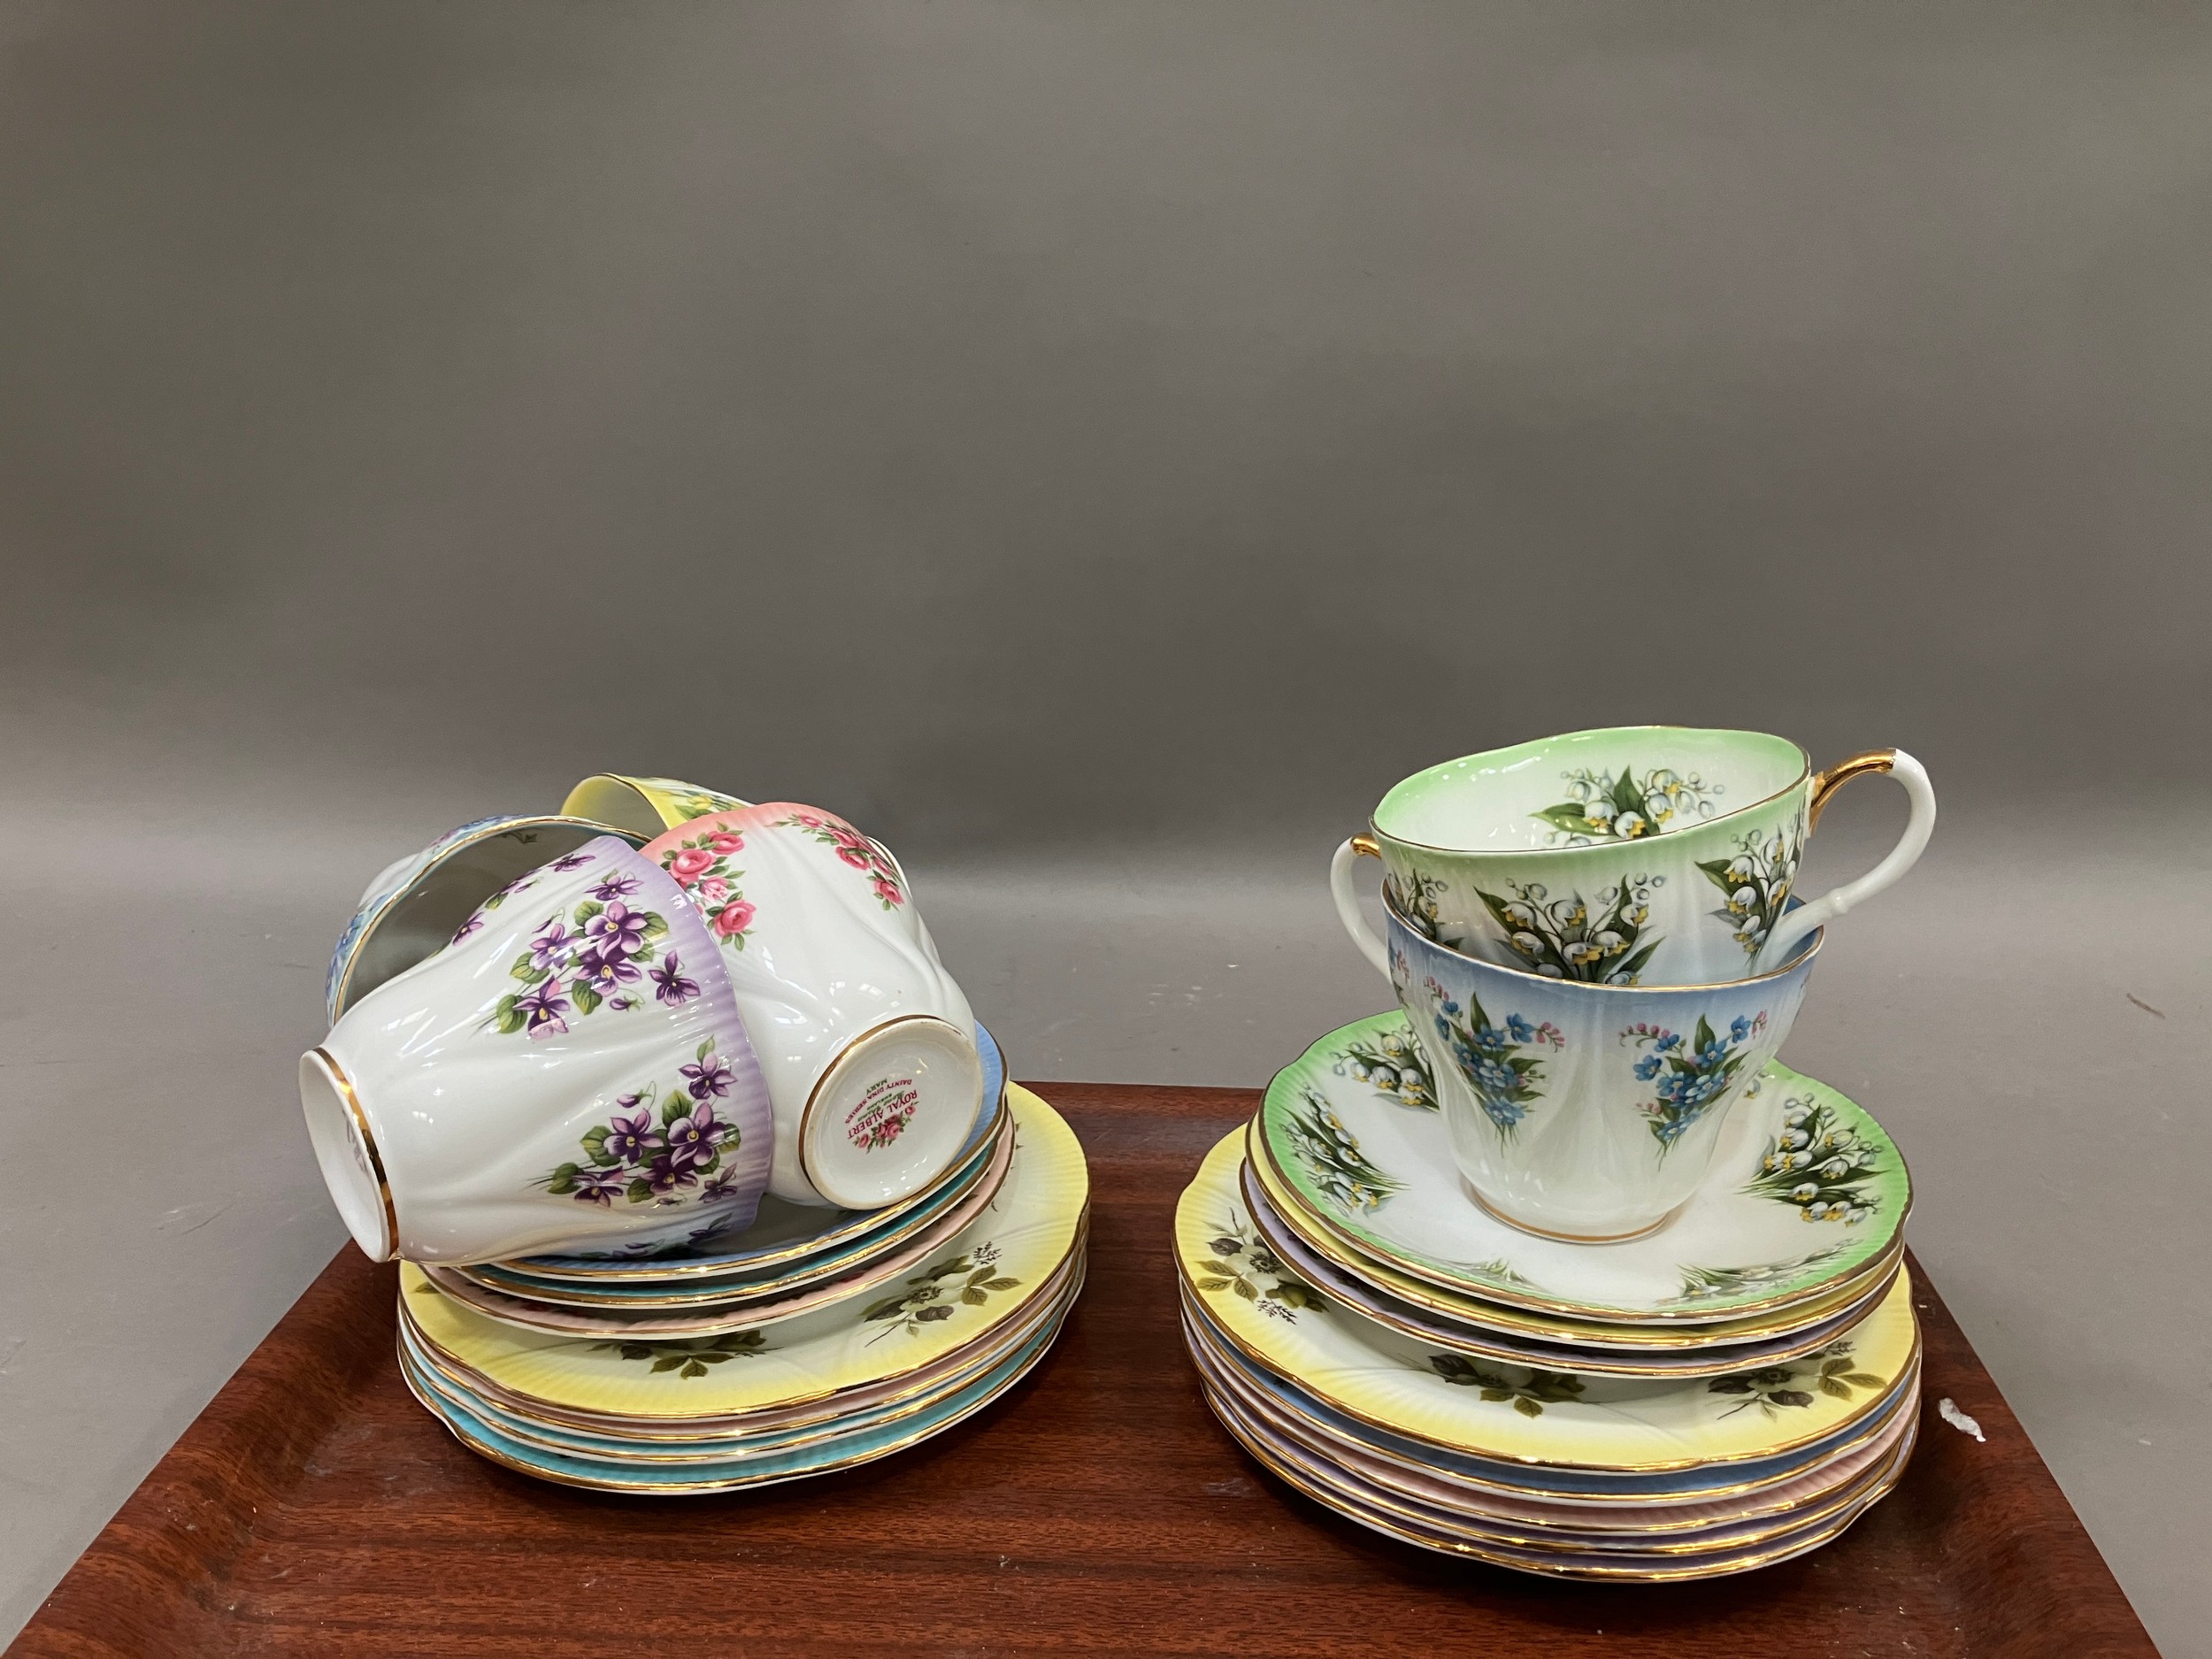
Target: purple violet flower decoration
pixel 723 1186
pixel 615 886
pixel 634 1139
pixel 671 986
pixel 667 1172
pixel 572 861
pixel 616 930
pixel 474 924
pixel 542 1006
pixel 597 1186
pixel 603 970
pixel 693 1140
pixel 550 947
pixel 708 1078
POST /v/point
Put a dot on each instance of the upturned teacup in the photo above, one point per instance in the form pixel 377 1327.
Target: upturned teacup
pixel 572 1071
pixel 1649 856
pixel 867 1043
pixel 1585 1111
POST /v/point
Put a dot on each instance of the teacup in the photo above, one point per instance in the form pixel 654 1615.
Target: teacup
pixel 572 1071
pixel 413 905
pixel 646 806
pixel 1583 1111
pixel 867 1043
pixel 1651 855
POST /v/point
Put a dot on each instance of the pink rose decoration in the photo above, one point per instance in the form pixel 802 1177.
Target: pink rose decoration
pixel 714 889
pixel 689 864
pixel 887 890
pixel 725 841
pixel 733 918
pixel 854 857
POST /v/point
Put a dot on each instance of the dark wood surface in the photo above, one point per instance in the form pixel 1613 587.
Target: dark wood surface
pixel 315 1508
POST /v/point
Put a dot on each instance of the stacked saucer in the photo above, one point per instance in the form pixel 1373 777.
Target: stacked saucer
pixel 1729 1390
pixel 815 1341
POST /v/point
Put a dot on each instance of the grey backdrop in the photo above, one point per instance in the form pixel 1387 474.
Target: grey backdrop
pixel 1099 447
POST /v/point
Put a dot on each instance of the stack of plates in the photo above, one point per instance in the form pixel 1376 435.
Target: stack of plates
pixel 815 1341
pixel 1731 1390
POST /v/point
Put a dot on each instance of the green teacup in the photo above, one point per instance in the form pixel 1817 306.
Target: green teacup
pixel 1651 855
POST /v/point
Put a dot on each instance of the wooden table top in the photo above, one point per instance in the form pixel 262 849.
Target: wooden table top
pixel 314 1508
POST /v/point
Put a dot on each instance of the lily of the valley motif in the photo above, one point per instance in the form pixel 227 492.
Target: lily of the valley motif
pixel 1241 1263
pixel 1604 806
pixel 1392 1064
pixel 1559 938
pixel 1820 1163
pixel 660 1156
pixel 863 855
pixel 1692 1076
pixel 1713 1284
pixel 1490 1058
pixel 1756 884
pixel 701 867
pixel 598 956
pixel 1331 1156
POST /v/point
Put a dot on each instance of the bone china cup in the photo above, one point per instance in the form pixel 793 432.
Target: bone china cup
pixel 572 1071
pixel 1586 1112
pixel 1635 855
pixel 867 1043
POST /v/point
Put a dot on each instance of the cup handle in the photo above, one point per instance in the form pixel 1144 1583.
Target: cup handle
pixel 1791 929
pixel 1347 911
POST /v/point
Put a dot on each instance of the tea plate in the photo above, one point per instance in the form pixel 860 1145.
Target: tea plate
pixel 1385 1378
pixel 1835 1491
pixel 1220 1360
pixel 1805 1191
pixel 747 1444
pixel 1551 1514
pixel 1284 1248
pixel 742 1311
pixel 675 1369
pixel 1654 1568
pixel 1028 1231
pixel 1284 1217
pixel 841 1452
pixel 784 1233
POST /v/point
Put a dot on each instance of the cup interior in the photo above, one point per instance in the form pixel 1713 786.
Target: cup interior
pixel 421 921
pixel 1588 787
pixel 343 1153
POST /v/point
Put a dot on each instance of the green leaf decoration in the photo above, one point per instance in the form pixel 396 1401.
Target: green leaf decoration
pixel 1213 1284
pixel 594 1144
pixel 588 1000
pixel 1000 1284
pixel 564 1179
pixel 677 1105
pixel 588 908
pixel 638 1192
pixel 974 1297
pixel 505 1017
pixel 693 1368
pixel 1527 1407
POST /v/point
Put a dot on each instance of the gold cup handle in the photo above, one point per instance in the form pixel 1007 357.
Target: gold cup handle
pixel 1791 929
pixel 1347 897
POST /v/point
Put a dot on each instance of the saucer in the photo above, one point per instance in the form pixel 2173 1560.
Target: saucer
pixel 1486 1342
pixel 1805 1190
pixel 784 1233
pixel 1283 1221
pixel 741 1310
pixel 1023 1239
pixel 1521 1417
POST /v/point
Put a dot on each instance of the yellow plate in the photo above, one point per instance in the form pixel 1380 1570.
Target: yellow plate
pixel 1510 1414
